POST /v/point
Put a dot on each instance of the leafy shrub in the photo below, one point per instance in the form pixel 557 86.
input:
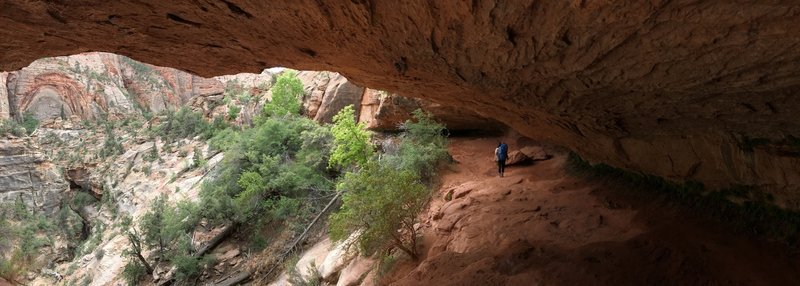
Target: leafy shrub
pixel 152 155
pixel 263 164
pixel 233 112
pixel 183 123
pixel 313 276
pixel 384 197
pixel 198 159
pixel 11 127
pixel 351 140
pixel 133 272
pixel 383 203
pixel 188 267
pixel 163 226
pixel 29 122
pixel 286 95
pixel 25 127
pixel 111 146
pixel 99 254
pixel 422 147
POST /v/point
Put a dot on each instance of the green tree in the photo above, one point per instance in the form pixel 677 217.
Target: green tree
pixel 286 95
pixel 383 198
pixel 29 122
pixel 163 225
pixel 233 111
pixel 198 159
pixel 382 203
pixel 351 145
pixel 422 146
pixel 137 265
pixel 263 163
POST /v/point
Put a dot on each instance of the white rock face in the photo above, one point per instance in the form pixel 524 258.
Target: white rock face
pixel 4 107
pixel 337 263
pixel 338 257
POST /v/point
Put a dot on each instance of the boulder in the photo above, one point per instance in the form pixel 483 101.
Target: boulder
pixel 354 273
pixel 338 94
pixel 337 258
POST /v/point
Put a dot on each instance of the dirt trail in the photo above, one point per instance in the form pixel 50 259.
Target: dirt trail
pixel 540 226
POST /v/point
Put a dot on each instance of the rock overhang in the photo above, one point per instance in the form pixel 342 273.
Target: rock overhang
pixel 670 88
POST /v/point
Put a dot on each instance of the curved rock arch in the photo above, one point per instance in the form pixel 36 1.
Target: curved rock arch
pixel 58 87
pixel 670 88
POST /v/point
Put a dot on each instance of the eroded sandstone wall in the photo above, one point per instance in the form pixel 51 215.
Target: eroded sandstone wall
pixel 609 79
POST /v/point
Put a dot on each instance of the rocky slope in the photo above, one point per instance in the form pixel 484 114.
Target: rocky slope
pixel 671 88
pixel 94 111
pixel 540 225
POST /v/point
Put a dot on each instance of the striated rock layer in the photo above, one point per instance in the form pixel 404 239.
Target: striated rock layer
pixel 97 85
pixel 26 176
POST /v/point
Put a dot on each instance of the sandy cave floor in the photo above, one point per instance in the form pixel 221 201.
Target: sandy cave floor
pixel 540 226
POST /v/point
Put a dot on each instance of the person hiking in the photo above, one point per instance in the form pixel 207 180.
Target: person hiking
pixel 501 153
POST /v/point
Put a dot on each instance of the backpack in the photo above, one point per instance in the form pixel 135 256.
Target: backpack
pixel 502 151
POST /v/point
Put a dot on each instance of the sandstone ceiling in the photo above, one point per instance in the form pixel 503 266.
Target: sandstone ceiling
pixel 665 87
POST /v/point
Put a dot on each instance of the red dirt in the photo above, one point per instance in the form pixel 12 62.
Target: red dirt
pixel 541 226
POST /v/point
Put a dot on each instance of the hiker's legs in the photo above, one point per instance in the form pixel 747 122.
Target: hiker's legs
pixel 501 166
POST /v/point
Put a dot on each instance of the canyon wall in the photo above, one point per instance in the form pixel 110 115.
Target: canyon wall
pixel 96 85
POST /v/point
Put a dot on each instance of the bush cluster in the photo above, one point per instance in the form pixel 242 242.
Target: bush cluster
pixel 383 196
pixel 25 127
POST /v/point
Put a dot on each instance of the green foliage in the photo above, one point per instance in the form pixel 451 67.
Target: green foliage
pixel 86 281
pixel 181 124
pixel 20 241
pixel 12 127
pixel 133 272
pixel 152 155
pixel 163 226
pixel 233 112
pixel 422 147
pixel 188 267
pixel 286 95
pixel 29 122
pixel 198 159
pixel 224 139
pixel 111 146
pixel 384 197
pixel 351 140
pixel 264 164
pixel 383 203
pixel 385 264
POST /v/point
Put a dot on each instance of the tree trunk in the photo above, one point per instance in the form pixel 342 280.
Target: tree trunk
pixel 144 263
pixel 216 240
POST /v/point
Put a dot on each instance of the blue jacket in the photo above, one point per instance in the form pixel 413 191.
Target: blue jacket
pixel 502 152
